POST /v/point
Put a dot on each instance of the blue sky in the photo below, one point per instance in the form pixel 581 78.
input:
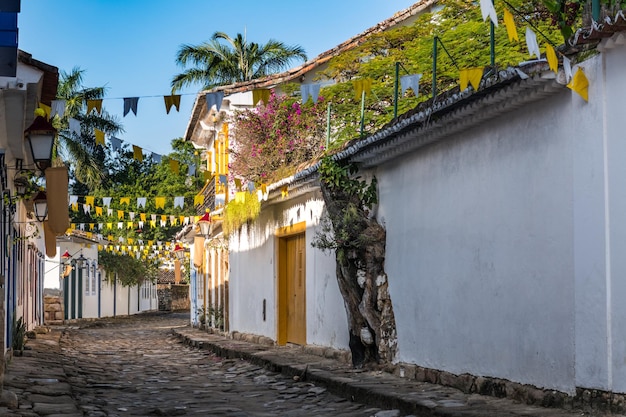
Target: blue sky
pixel 129 46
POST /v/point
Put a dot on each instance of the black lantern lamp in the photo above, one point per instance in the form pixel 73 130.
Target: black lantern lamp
pixel 40 137
pixel 40 203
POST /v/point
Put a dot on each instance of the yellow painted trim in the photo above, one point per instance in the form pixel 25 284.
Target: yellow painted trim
pixel 292 229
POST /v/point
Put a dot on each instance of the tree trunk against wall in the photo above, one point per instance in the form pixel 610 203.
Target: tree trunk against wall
pixel 360 256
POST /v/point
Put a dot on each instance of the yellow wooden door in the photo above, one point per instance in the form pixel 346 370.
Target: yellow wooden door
pixel 294 284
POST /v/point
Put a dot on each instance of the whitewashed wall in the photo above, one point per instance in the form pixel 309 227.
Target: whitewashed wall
pixel 253 276
pixel 505 244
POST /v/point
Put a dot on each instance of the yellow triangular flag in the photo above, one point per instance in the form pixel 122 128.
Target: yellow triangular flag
pixel 130 240
pixel 509 22
pixel 89 235
pixel 74 206
pixel 94 104
pixel 98 211
pixel 471 75
pixel 284 191
pixel 159 202
pixel 125 200
pixel 142 217
pixel 580 84
pixel 361 85
pixel 109 226
pixel 120 214
pixel 152 223
pixel 47 109
pixel 170 101
pixel 553 61
pixel 137 153
pixel 174 166
pixel 129 225
pixel 89 200
pixel 99 137
pixel 238 183
pixel 198 200
pixel 181 218
pixel 73 226
pixel 92 226
pixel 163 217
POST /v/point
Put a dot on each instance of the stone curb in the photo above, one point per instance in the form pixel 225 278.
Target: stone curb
pixel 374 388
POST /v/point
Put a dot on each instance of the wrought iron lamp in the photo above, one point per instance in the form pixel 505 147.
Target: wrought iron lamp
pixel 40 203
pixel 40 137
pixel 205 225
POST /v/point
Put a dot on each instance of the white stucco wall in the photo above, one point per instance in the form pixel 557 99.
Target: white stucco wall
pixel 505 244
pixel 253 276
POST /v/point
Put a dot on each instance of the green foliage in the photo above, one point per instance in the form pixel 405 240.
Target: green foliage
pixel 130 271
pixel 18 334
pixel 237 213
pixel 127 177
pixel 349 200
pixel 339 178
pixel 225 60
pixel 273 140
pixel 465 35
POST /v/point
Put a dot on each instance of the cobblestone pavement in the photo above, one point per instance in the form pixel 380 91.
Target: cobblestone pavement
pixel 137 367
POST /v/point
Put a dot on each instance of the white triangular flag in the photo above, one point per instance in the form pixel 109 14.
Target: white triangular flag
pixel 487 9
pixel 531 43
pixel 567 68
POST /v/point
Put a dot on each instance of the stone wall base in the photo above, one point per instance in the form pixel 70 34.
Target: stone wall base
pixel 588 400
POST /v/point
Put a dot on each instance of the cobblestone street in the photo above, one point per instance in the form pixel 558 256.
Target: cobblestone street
pixel 136 367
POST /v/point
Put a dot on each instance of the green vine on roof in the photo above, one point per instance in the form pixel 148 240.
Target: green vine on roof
pixel 129 270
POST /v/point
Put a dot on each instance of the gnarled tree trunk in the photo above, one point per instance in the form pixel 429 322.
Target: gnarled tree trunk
pixel 360 257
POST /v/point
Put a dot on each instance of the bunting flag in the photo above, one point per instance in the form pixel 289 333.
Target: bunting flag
pixel 237 183
pixel 90 200
pixel 137 153
pixel 174 166
pixel 310 90
pixel 106 201
pixel 130 104
pixel 488 11
pixel 192 170
pixel 173 100
pixel 99 212
pixel 198 200
pixel 250 186
pixel 580 84
pixel 156 158
pixel 361 85
pixel 262 94
pixel 124 200
pixel 57 108
pixel 116 144
pixel 531 43
pixel 179 202
pixel 215 98
pixel 553 61
pixel 141 202
pixel 284 191
pixel 412 82
pixel 44 109
pixel 509 23
pixel 120 214
pixel 567 68
pixel 223 179
pixel 99 137
pixel 159 202
pixel 471 76
pixel 94 104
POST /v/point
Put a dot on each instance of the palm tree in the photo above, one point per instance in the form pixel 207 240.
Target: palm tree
pixel 87 158
pixel 225 60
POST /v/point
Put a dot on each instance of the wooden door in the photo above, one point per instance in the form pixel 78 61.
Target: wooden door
pixel 292 290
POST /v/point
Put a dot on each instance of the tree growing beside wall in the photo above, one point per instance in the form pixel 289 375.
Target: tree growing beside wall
pixel 358 241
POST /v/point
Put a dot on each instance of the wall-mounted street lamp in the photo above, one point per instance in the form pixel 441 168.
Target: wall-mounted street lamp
pixel 40 137
pixel 179 251
pixel 205 225
pixel 40 203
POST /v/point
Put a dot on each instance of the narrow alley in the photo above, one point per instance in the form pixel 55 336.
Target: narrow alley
pixel 136 367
